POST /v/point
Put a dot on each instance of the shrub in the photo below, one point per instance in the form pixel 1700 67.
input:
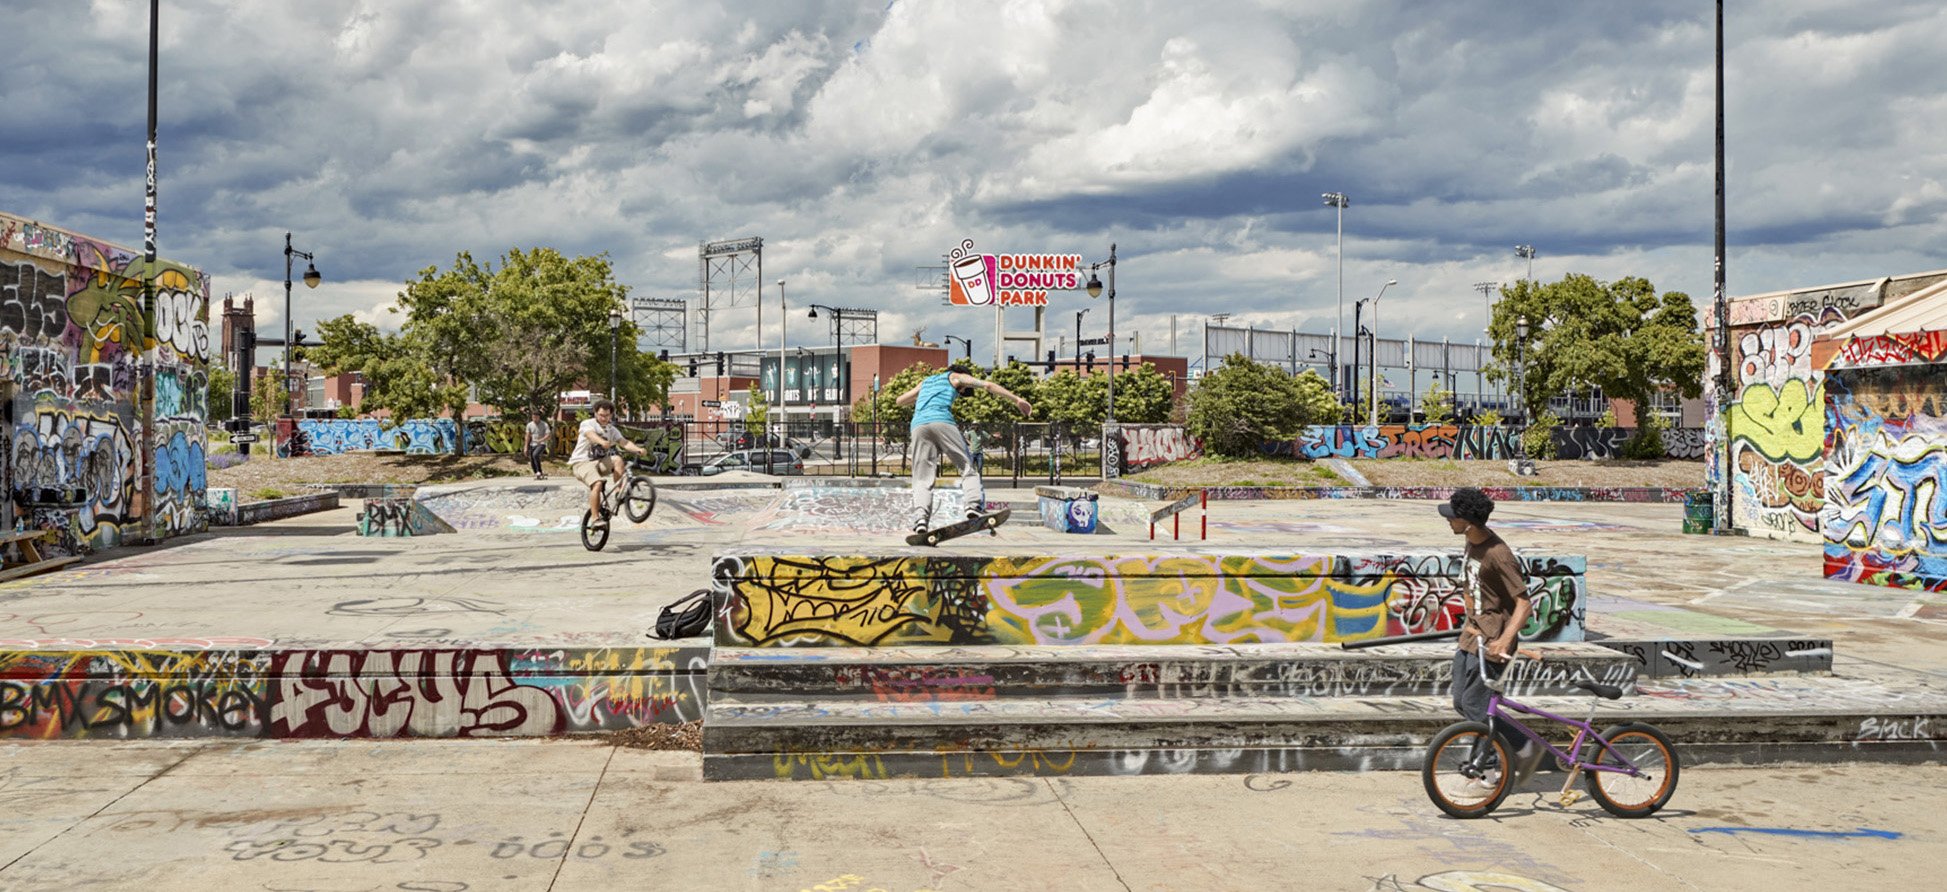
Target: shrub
pixel 1238 408
pixel 1647 443
pixel 1538 441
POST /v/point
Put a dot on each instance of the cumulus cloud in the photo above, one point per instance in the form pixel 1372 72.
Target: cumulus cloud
pixel 863 141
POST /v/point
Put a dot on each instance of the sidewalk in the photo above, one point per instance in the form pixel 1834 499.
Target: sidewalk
pixel 561 815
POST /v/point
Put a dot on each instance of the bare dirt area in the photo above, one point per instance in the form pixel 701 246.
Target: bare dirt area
pixel 1427 472
pixel 287 476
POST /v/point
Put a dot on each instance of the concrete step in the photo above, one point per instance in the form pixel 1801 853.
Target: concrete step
pixel 1759 720
pixel 959 674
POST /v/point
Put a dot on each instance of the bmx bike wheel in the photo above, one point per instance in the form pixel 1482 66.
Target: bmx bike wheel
pixel 1456 780
pixel 640 500
pixel 592 537
pixel 1646 747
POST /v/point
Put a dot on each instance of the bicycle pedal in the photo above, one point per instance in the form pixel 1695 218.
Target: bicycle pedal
pixel 1570 797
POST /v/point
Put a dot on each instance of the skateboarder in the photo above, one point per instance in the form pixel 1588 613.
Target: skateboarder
pixel 935 433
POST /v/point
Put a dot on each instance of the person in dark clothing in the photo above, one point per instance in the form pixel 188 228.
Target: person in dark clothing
pixel 1495 596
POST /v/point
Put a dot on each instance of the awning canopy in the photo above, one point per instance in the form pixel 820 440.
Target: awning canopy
pixel 1905 330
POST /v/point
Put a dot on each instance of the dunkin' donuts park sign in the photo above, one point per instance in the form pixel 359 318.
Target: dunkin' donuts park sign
pixel 1009 280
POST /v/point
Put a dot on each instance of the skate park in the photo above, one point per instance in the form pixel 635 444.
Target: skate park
pixel 840 652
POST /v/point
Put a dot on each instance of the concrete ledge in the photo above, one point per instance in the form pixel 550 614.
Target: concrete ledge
pixel 123 689
pixel 366 490
pixel 278 509
pixel 796 600
pixel 1154 492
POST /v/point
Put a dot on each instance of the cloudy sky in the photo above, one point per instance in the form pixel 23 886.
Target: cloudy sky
pixel 863 140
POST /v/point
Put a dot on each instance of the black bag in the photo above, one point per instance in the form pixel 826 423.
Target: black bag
pixel 687 618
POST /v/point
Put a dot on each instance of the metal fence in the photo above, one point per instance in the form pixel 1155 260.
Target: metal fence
pixel 1020 453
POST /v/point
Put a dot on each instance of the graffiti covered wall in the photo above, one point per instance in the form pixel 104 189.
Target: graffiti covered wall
pixel 1884 518
pixel 241 688
pixel 791 601
pixel 71 323
pixel 1467 441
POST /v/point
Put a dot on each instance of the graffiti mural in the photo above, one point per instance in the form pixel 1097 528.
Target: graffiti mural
pixel 71 324
pixel 1884 518
pixel 1138 447
pixel 786 601
pixel 143 689
pixel 337 436
pixel 1466 441
pixel 1775 420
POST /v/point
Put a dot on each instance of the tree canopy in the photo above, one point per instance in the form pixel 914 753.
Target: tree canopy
pixel 1243 405
pixel 1620 336
pixel 514 336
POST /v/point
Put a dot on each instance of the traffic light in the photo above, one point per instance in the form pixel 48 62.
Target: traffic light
pixel 1125 362
pixel 1051 362
pixel 720 363
pixel 663 356
pixel 692 366
pixel 1091 361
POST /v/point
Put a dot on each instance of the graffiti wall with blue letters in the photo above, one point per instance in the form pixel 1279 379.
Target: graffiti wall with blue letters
pixel 1884 518
pixel 71 325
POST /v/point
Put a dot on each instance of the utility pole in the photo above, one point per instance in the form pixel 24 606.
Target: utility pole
pixel 1721 495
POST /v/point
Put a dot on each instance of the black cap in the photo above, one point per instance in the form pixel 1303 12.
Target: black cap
pixel 1468 504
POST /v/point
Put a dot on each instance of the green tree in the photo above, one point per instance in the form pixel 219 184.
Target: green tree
pixel 1074 399
pixel 513 337
pixel 222 391
pixel 1437 405
pixel 985 408
pixel 1242 405
pixel 1143 396
pixel 1538 441
pixel 267 398
pixel 1620 336
pixel 756 412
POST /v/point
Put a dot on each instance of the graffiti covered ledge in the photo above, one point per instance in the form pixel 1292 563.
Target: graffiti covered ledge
pixel 794 600
pixel 71 320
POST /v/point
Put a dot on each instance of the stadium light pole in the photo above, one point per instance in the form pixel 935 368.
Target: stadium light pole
pixel 1528 252
pixel 1339 201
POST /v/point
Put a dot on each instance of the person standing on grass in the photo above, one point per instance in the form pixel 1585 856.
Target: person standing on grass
pixel 936 434
pixel 1495 596
pixel 538 435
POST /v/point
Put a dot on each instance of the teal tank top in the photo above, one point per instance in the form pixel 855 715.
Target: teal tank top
pixel 935 401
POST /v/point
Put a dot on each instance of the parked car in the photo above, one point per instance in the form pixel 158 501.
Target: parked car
pixel 780 461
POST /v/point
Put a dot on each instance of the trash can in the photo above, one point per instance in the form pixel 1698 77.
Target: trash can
pixel 1699 513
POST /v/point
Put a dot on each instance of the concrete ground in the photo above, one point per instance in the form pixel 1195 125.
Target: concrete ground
pixel 581 814
pixel 517 575
pixel 547 815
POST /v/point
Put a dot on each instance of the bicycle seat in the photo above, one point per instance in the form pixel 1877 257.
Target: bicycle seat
pixel 1605 691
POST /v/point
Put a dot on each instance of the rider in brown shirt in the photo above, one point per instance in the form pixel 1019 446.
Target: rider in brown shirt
pixel 1495 594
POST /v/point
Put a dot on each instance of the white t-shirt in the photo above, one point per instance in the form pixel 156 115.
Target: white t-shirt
pixel 585 449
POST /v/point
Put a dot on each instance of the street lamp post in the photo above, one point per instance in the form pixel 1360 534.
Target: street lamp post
pixel 1373 379
pixel 614 339
pixel 1095 290
pixel 1078 336
pixel 1520 371
pixel 1528 252
pixel 1339 201
pixel 311 280
pixel 783 319
pixel 964 342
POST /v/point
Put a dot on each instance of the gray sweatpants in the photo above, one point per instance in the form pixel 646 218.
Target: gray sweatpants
pixel 930 441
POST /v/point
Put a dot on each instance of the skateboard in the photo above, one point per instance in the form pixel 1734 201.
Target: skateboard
pixel 973 524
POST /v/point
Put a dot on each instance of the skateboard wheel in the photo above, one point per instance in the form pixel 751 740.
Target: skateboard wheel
pixel 933 539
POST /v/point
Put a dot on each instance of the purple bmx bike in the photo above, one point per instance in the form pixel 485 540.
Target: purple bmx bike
pixel 1630 769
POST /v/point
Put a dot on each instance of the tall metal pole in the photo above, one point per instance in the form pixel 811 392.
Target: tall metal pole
pixel 148 295
pixel 1339 201
pixel 1721 498
pixel 288 252
pixel 1111 415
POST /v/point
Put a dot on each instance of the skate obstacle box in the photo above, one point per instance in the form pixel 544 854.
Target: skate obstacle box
pixel 918 663
pixel 1068 509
